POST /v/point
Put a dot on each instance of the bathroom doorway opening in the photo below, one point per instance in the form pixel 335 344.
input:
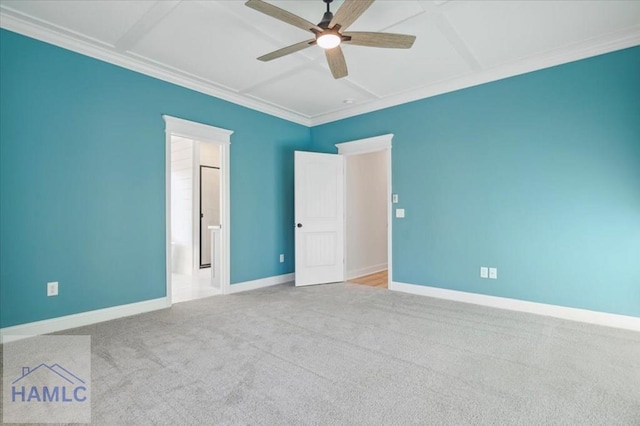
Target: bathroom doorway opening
pixel 197 210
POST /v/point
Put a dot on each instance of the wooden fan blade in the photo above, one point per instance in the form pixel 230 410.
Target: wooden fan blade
pixel 336 61
pixel 287 50
pixel 389 40
pixel 282 15
pixel 349 12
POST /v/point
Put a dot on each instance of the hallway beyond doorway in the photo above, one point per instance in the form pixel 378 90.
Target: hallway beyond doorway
pixel 378 279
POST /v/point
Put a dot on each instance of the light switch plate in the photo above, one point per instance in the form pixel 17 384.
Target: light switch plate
pixel 282 258
pixel 484 272
pixel 400 213
pixel 493 273
pixel 394 198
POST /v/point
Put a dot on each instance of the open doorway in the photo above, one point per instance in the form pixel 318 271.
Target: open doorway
pixel 197 187
pixel 368 210
pixel 195 207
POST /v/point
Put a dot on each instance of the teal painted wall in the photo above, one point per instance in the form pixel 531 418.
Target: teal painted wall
pixel 82 196
pixel 538 175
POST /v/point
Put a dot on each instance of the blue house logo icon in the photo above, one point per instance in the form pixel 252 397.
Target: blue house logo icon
pixel 48 383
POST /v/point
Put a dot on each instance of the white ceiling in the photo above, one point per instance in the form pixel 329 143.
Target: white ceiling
pixel 212 46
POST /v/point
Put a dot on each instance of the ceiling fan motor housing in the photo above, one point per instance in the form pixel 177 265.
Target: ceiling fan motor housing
pixel 327 17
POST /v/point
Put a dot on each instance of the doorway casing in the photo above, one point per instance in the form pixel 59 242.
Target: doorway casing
pixel 204 133
pixel 365 146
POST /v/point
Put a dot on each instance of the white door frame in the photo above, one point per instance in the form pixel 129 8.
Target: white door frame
pixel 365 146
pixel 203 133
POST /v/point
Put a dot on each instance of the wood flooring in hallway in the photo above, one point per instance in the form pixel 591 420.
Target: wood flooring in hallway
pixel 379 279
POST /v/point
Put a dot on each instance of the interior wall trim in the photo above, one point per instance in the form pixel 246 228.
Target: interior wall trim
pixel 52 325
pixel 357 273
pixel 365 146
pixel 575 52
pixel 563 312
pixel 20 24
pixel 31 27
pixel 199 132
pixel 262 283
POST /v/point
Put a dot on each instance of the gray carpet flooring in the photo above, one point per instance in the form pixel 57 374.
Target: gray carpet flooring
pixel 345 354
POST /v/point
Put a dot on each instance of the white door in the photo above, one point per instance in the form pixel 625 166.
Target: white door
pixel 319 216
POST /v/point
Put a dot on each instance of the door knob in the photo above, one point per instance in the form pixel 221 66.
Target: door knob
pixel 299 225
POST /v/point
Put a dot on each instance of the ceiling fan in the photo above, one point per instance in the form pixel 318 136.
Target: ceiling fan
pixel 330 32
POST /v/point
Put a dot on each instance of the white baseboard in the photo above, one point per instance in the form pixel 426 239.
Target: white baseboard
pixel 21 331
pixel 261 283
pixel 573 314
pixel 356 273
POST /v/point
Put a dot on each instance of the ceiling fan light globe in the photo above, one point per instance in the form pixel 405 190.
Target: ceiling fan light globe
pixel 328 41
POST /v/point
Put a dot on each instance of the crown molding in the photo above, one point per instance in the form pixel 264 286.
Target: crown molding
pixel 17 23
pixel 574 52
pixel 22 24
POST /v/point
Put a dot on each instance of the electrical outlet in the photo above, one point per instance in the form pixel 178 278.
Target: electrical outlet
pixel 400 213
pixel 52 288
pixel 282 258
pixel 484 272
pixel 493 273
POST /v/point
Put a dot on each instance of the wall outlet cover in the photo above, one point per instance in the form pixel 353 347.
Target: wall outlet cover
pixel 400 213
pixel 52 288
pixel 282 258
pixel 484 272
pixel 493 273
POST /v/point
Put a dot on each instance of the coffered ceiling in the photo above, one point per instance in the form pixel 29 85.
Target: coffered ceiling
pixel 212 46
